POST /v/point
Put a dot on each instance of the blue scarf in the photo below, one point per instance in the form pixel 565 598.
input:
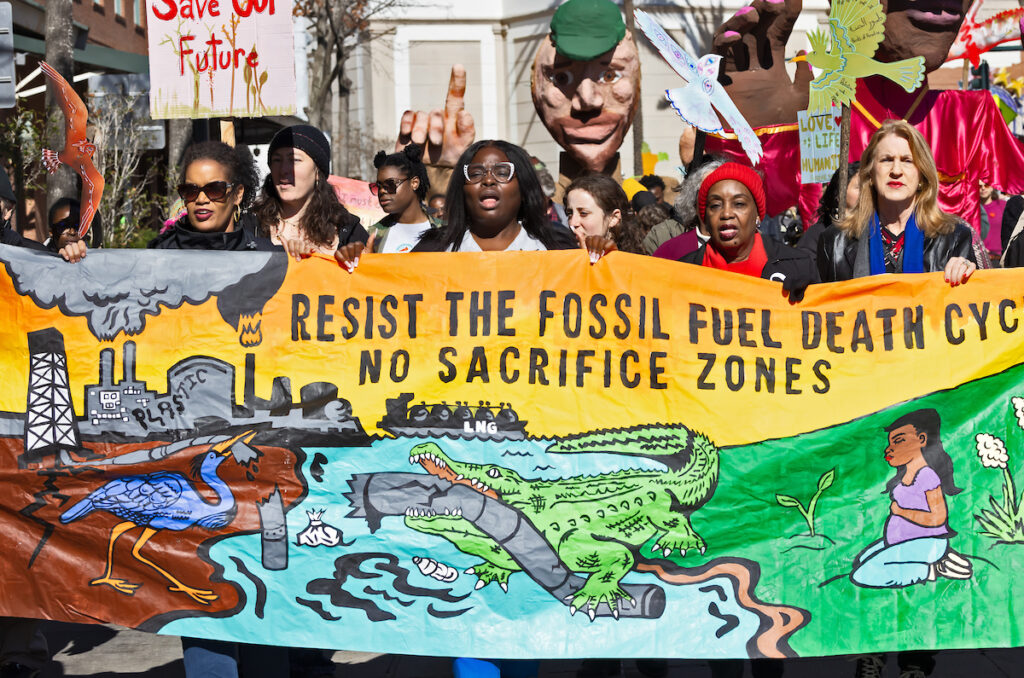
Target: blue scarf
pixel 913 247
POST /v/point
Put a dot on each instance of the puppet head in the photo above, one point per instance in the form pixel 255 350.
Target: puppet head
pixel 586 81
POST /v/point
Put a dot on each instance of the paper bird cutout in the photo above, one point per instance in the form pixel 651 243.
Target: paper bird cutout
pixel 977 37
pixel 697 102
pixel 78 152
pixel 856 28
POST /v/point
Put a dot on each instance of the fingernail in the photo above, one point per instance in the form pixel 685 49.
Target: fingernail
pixel 594 256
pixel 355 263
pixel 732 34
pixel 741 11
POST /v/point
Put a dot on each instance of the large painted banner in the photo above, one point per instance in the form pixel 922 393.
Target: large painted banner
pixel 511 455
pixel 220 58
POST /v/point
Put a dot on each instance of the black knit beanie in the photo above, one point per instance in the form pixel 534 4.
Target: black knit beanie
pixel 306 138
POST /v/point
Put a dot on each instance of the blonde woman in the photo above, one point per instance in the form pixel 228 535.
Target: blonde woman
pixel 897 225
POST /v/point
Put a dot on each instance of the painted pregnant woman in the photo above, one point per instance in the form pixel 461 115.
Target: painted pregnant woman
pixel 915 544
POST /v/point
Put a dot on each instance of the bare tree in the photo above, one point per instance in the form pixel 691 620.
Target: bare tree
pixel 60 55
pixel 337 28
pixel 122 125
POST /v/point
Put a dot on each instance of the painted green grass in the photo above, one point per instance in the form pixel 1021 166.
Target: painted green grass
pixel 745 520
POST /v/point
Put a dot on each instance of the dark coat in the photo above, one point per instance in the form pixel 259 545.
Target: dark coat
pixel 181 236
pixel 841 257
pixel 8 236
pixel 792 267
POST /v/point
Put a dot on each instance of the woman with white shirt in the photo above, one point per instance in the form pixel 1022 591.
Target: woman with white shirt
pixel 401 188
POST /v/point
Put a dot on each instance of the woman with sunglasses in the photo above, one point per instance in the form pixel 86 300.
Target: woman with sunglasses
pixel 298 209
pixel 401 188
pixel 217 184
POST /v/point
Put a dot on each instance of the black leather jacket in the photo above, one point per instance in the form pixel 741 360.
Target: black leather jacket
pixel 842 257
pixel 792 267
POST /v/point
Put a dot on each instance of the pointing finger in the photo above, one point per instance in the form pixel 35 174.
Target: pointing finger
pixel 456 99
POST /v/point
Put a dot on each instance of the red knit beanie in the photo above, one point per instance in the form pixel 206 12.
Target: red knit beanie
pixel 741 173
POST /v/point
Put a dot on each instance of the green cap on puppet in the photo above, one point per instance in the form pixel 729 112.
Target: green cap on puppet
pixel 585 29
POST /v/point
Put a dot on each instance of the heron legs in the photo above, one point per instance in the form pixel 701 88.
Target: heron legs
pixel 118 584
pixel 201 596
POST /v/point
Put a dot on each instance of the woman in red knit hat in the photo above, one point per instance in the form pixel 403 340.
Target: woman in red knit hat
pixel 731 202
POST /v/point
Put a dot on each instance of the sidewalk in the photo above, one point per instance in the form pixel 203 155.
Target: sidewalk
pixel 112 652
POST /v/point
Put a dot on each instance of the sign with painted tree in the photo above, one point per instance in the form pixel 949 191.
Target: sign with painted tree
pixel 215 58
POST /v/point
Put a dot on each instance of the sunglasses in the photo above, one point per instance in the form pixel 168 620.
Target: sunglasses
pixel 501 171
pixel 215 191
pixel 386 186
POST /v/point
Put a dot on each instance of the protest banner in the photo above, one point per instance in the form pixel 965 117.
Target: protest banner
pixel 819 146
pixel 511 454
pixel 215 58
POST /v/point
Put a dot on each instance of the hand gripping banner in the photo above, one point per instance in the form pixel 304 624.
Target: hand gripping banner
pixel 511 455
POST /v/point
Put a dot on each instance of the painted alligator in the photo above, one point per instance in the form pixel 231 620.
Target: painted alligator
pixel 597 524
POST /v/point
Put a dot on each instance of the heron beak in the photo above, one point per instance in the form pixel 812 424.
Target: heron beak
pixel 223 448
pixel 798 57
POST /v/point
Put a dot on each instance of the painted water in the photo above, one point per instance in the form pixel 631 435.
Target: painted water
pixel 296 606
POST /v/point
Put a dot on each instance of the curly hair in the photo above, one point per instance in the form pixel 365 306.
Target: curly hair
pixel 686 201
pixel 410 161
pixel 238 161
pixel 323 215
pixel 532 208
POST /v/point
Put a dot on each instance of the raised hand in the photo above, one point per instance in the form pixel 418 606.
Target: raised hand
pixel 753 42
pixel 445 134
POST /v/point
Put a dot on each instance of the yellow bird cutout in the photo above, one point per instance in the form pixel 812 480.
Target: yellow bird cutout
pixel 856 28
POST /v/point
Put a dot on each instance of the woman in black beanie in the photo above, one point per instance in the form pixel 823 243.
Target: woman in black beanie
pixel 298 209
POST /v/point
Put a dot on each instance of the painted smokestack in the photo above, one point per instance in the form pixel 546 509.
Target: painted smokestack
pixel 129 361
pixel 107 367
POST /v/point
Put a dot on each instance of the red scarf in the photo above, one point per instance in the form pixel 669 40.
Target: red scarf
pixel 753 265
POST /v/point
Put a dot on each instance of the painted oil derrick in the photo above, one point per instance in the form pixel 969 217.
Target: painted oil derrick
pixel 50 424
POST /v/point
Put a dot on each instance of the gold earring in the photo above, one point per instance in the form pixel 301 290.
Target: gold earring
pixel 238 213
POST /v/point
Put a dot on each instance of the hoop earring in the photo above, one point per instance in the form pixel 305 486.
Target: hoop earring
pixel 238 213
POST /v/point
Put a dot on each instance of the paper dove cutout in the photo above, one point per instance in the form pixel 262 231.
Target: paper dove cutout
pixel 977 37
pixel 697 102
pixel 856 28
pixel 78 152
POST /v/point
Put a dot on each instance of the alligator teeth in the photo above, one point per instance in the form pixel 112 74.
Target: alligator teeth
pixel 471 570
pixel 702 549
pixel 504 587
pixel 408 511
pixel 459 477
pixel 484 488
pixel 656 548
pixel 474 483
pixel 615 613
pixel 572 610
pixel 667 552
pixel 458 512
pixel 440 462
pixel 682 553
pixel 592 613
pixel 480 584
pixel 447 512
pixel 412 460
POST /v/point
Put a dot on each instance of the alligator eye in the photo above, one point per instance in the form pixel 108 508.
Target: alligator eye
pixel 494 473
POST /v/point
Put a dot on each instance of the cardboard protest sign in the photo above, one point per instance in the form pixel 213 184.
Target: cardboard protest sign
pixel 214 58
pixel 621 459
pixel 819 146
pixel 356 197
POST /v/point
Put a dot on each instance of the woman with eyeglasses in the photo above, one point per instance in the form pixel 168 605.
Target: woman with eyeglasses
pixel 298 209
pixel 401 188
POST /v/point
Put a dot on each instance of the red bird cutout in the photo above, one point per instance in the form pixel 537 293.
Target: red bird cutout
pixel 78 152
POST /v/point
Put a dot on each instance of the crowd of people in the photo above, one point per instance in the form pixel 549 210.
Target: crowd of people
pixel 500 198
